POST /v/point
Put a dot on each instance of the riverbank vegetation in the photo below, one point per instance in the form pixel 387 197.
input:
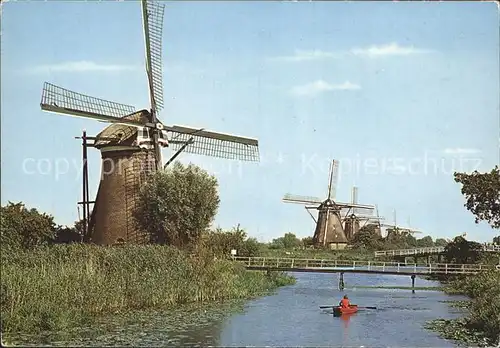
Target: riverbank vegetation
pixel 51 280
pixel 482 325
pixel 55 287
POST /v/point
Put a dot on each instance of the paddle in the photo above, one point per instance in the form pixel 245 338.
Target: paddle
pixel 324 307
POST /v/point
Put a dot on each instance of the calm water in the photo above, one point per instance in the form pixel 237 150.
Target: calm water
pixel 290 317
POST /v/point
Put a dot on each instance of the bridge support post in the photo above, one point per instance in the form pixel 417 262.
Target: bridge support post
pixel 341 281
pixel 413 283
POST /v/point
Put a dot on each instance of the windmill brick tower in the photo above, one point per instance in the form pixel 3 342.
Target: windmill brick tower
pixel 329 230
pixel 131 146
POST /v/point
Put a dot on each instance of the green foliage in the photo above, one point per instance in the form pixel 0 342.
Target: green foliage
pixel 176 205
pixel 307 241
pixel 53 288
pixel 221 242
pixel 496 240
pixel 288 241
pixel 425 242
pixel 21 227
pixel 367 238
pixel 482 192
pixel 484 315
pixel 461 250
pixel 440 242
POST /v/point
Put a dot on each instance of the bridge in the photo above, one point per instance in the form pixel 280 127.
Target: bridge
pixel 428 251
pixel 373 267
pixel 344 266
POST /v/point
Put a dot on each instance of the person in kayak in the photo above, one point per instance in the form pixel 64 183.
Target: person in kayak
pixel 345 303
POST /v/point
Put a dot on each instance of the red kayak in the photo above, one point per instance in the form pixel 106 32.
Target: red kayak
pixel 338 311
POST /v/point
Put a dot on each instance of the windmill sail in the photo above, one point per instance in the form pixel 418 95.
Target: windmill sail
pixel 152 14
pixel 214 144
pixel 63 101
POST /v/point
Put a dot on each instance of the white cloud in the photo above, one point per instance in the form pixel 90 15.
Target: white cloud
pixel 391 49
pixel 302 55
pixel 81 67
pixel 458 150
pixel 320 86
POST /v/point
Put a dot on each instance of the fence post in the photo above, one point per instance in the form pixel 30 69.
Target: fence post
pixel 292 264
pixel 369 265
pixel 383 267
pixel 277 262
pixel 263 261
pixel 354 264
pixel 249 261
pixel 398 267
pixel 307 263
pixel 446 268
pixel 415 268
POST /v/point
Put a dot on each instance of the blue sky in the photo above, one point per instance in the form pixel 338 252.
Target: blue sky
pixel 402 94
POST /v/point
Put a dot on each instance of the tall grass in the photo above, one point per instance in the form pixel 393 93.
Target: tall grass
pixel 53 288
pixel 483 321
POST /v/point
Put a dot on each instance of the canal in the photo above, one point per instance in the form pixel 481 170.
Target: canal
pixel 290 317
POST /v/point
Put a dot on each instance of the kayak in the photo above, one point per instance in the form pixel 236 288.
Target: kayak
pixel 338 311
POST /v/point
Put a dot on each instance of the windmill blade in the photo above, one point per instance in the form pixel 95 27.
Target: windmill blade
pixel 152 15
pixel 333 179
pixel 63 101
pixel 289 198
pixel 214 144
pixel 348 209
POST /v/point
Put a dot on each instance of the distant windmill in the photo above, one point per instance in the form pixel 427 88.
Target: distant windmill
pixel 354 219
pixel 394 227
pixel 130 147
pixel 329 229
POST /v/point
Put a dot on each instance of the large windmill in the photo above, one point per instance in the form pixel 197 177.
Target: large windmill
pixel 329 229
pixel 131 146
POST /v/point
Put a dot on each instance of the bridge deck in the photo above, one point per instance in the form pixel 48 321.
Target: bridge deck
pixel 342 266
pixel 427 250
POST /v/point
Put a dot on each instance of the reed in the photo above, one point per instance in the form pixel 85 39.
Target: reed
pixel 53 288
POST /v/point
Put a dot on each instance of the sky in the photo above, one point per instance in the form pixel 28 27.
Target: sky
pixel 402 94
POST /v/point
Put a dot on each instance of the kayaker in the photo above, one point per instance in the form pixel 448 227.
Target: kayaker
pixel 345 303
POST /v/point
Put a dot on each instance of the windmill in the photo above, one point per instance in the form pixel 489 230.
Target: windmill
pixel 131 146
pixel 394 227
pixel 329 229
pixel 354 219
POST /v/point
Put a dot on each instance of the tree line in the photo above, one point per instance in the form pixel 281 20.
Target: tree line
pixel 178 205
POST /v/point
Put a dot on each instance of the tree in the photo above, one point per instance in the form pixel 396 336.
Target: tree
pixel 367 238
pixel 21 227
pixel 307 241
pixel 496 240
pixel 482 193
pixel 66 235
pixel 425 242
pixel 177 204
pixel 461 250
pixel 288 241
pixel 440 242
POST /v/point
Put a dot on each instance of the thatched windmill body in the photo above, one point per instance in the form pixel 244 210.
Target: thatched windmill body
pixel 131 146
pixel 329 228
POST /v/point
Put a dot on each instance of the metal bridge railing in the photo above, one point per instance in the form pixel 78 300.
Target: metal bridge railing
pixel 427 250
pixel 371 266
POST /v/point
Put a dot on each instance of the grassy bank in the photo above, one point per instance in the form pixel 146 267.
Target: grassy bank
pixel 482 325
pixel 54 288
